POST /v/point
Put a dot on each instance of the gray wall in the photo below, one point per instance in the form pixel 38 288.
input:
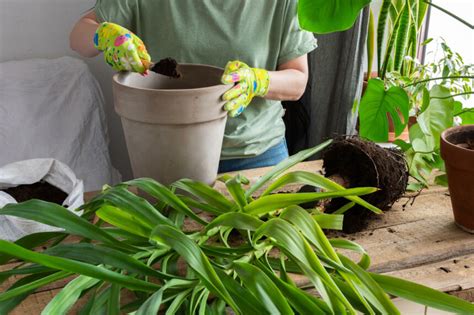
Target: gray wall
pixel 40 29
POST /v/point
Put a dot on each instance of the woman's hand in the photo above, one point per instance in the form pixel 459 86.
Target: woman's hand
pixel 249 82
pixel 122 49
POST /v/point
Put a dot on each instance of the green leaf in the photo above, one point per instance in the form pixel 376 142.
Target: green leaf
pixel 159 191
pixel 329 221
pixel 36 281
pixel 439 114
pixel 246 301
pixel 123 220
pixel 441 180
pixel 423 295
pixel 138 207
pixel 55 215
pixel 285 165
pixel 237 220
pixel 76 267
pixel 370 288
pixel 347 244
pixel 205 193
pixel 263 288
pixel 315 180
pixel 31 241
pixel 401 41
pixel 234 186
pixel 101 255
pixel 195 258
pixel 301 301
pixel 381 27
pixel 320 16
pixel 68 296
pixel 288 239
pixel 113 304
pixel 374 107
pixel 278 201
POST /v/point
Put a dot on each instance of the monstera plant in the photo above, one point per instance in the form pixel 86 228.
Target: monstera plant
pixel 156 255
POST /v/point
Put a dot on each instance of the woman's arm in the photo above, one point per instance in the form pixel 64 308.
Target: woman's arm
pixel 82 35
pixel 288 83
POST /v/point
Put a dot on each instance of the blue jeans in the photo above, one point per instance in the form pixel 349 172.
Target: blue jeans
pixel 271 157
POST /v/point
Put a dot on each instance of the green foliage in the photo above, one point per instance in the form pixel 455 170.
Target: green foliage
pixel 322 16
pixel 375 106
pixel 238 260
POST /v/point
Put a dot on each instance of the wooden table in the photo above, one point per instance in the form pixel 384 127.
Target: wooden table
pixel 418 242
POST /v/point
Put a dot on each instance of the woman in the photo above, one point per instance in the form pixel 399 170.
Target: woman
pixel 259 42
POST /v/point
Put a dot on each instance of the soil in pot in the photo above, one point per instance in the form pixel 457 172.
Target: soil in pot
pixel 40 190
pixel 354 162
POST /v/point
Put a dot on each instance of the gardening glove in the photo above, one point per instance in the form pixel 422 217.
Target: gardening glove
pixel 122 49
pixel 249 82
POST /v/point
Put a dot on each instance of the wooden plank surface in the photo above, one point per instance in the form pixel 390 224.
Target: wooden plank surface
pixel 418 242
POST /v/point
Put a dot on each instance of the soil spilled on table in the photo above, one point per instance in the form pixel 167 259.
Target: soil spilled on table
pixel 364 164
pixel 167 67
pixel 41 190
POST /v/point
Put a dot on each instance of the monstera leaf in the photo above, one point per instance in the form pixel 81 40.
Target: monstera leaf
pixel 327 16
pixel 375 106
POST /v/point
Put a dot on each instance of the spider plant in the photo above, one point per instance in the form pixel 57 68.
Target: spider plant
pixel 189 249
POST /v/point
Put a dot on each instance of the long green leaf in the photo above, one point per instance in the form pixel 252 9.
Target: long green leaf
pixel 136 206
pixel 31 241
pixel 68 296
pixel 76 267
pixel 113 304
pixel 124 220
pixel 195 258
pixel 373 292
pixel 370 43
pixel 234 186
pixel 301 301
pixel 401 41
pixel 205 193
pixel 159 191
pixel 329 221
pixel 237 220
pixel 382 24
pixel 285 165
pixel 347 244
pixel 390 44
pixel 316 180
pixel 55 215
pixel 263 288
pixel 31 286
pixel 101 255
pixel 423 295
pixel 278 201
pixel 292 242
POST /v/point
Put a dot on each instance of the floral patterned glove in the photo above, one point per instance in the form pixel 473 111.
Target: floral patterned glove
pixel 251 82
pixel 122 49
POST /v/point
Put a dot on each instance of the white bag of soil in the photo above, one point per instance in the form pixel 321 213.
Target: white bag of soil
pixel 33 171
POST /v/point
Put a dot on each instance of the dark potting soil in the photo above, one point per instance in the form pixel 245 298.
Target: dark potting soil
pixel 364 164
pixel 41 190
pixel 167 67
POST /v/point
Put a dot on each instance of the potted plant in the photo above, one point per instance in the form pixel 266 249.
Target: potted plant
pixel 457 150
pixel 237 256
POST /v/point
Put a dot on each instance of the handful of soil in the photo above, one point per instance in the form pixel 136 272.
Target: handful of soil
pixel 40 190
pixel 167 67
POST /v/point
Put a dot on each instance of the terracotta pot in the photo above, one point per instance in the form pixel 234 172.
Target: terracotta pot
pixel 459 158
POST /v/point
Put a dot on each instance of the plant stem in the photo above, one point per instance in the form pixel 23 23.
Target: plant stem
pixel 450 14
pixel 454 95
pixel 440 78
pixel 469 110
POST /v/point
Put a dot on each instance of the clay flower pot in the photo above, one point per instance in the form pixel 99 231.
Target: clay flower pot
pixel 173 128
pixel 457 150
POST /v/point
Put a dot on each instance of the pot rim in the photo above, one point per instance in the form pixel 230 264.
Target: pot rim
pixel 454 130
pixel 216 87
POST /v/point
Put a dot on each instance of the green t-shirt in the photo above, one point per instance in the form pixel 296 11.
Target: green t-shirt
pixel 261 33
